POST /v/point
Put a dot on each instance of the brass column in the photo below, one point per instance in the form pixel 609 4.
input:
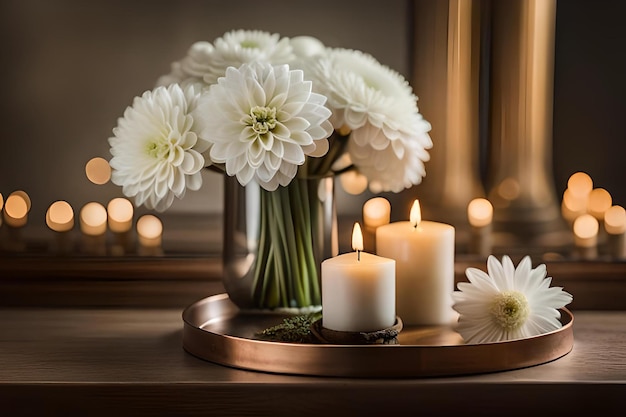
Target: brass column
pixel 445 77
pixel 519 172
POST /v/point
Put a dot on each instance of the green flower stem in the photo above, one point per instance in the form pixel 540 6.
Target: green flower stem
pixel 286 270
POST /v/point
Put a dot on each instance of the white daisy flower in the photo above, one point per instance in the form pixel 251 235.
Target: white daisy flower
pixel 262 121
pixel 156 153
pixel 508 303
pixel 389 138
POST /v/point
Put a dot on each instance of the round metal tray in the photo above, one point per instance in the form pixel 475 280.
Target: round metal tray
pixel 215 329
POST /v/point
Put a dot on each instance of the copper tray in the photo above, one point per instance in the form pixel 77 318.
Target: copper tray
pixel 215 329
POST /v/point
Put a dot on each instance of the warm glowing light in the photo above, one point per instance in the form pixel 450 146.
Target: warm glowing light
pixel 479 212
pixel 149 230
pixel 574 203
pixel 25 196
pixel 615 220
pixel 98 171
pixel 509 189
pixel 415 217
pixel 120 212
pixel 353 182
pixel 93 219
pixel 357 237
pixel 321 148
pixel 376 212
pixel 1 201
pixel 16 206
pixel 580 184
pixel 586 227
pixel 60 216
pixel 599 201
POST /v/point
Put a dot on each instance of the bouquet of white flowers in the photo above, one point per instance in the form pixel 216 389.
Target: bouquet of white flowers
pixel 269 110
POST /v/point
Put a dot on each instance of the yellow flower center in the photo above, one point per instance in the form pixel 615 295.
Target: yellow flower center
pixel 510 310
pixel 249 44
pixel 262 119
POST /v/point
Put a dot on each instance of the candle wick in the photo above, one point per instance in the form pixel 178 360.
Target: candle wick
pixel 358 255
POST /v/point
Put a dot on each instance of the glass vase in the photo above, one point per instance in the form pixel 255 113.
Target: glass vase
pixel 275 242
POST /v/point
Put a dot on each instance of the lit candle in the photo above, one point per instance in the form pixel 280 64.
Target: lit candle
pixel 376 212
pixel 586 236
pixel 149 231
pixel 580 185
pixel 358 290
pixel 424 255
pixel 120 215
pixel 16 209
pixel 60 216
pixel 60 219
pixel 599 201
pixel 479 215
pixel 615 226
pixel 93 219
pixel 120 220
pixel 573 205
pixel 93 225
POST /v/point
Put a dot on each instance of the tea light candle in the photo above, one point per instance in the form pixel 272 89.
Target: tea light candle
pixel 358 290
pixel 120 215
pixel 149 230
pixel 93 219
pixel 586 235
pixel 573 205
pixel 376 212
pixel 424 255
pixel 580 185
pixel 60 217
pixel 479 215
pixel 615 226
pixel 16 209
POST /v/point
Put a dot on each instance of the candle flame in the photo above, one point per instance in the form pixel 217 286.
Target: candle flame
pixel 357 237
pixel 416 214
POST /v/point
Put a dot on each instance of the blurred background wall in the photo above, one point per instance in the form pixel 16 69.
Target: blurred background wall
pixel 69 68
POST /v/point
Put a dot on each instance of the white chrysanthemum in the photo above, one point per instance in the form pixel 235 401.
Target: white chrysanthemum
pixel 156 153
pixel 206 62
pixel 262 121
pixel 508 303
pixel 190 69
pixel 389 138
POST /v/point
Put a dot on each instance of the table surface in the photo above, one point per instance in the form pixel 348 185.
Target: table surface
pixel 90 361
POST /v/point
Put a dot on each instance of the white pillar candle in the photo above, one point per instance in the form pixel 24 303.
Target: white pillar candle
pixel 424 255
pixel 358 290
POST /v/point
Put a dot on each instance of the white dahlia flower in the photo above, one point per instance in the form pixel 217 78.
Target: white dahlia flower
pixel 207 62
pixel 389 137
pixel 507 303
pixel 190 69
pixel 262 121
pixel 156 153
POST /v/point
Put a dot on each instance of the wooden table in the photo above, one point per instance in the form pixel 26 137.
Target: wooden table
pixel 109 361
pixel 93 337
